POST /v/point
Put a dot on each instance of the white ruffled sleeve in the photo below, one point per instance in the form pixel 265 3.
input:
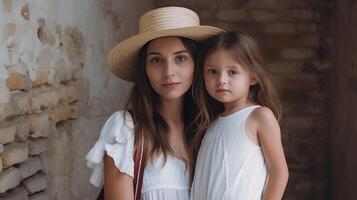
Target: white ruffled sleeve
pixel 116 140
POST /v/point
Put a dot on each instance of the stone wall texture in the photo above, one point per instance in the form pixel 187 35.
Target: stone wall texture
pixel 55 91
pixel 296 38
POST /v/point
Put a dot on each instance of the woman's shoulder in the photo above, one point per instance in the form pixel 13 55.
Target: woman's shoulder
pixel 119 126
pixel 116 140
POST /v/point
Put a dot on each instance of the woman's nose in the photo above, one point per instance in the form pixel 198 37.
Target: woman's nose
pixel 168 70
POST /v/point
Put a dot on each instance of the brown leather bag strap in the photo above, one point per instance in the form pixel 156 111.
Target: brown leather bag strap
pixel 139 167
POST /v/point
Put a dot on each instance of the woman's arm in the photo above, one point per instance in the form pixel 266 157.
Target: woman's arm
pixel 117 185
pixel 269 136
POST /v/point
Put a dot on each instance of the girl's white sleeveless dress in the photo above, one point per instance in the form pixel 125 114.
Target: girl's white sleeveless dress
pixel 169 181
pixel 229 165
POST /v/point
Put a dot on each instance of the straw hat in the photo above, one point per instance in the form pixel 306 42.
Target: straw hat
pixel 161 22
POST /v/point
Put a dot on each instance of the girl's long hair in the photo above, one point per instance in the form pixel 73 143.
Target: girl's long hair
pixel 143 103
pixel 245 50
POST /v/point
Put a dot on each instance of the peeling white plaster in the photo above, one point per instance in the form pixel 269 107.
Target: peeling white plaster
pixel 4 55
pixel 27 59
pixel 19 68
pixel 4 92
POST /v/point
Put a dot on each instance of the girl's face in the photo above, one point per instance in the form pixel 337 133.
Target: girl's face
pixel 226 80
pixel 169 67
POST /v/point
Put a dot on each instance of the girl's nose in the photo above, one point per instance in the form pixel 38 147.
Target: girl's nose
pixel 221 81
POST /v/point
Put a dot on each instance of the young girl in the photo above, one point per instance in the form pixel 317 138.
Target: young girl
pixel 241 156
pixel 160 61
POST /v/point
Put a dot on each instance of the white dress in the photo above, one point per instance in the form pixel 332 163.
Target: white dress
pixel 229 166
pixel 160 182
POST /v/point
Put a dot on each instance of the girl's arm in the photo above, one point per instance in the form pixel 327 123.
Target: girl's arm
pixel 268 132
pixel 117 185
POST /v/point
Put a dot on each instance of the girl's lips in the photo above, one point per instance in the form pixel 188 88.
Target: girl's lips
pixel 222 90
pixel 170 85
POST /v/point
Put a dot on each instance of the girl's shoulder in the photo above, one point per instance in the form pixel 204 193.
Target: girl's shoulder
pixel 261 116
pixel 263 113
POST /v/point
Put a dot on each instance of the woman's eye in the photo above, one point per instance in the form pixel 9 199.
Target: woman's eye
pixel 154 60
pixel 181 58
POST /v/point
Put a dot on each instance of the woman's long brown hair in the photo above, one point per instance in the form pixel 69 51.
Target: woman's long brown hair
pixel 143 102
pixel 245 50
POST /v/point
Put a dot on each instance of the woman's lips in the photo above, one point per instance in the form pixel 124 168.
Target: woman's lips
pixel 170 85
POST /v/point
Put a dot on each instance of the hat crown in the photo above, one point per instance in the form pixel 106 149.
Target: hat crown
pixel 167 18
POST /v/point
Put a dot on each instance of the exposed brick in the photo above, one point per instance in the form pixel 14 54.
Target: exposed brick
pixel 9 179
pixel 306 28
pixel 19 193
pixel 48 99
pixel 35 183
pixel 7 134
pixel 39 125
pixel 287 40
pixel 73 91
pixel 30 167
pixel 19 103
pixel 279 27
pixel 14 153
pixel 63 73
pixel 17 81
pixel 22 129
pixel 41 77
pixel 301 14
pixel 293 82
pixel 63 113
pixel 298 122
pixel 311 40
pixel 204 14
pixel 297 54
pixel 264 15
pixel 39 196
pixel 37 146
pixel 232 14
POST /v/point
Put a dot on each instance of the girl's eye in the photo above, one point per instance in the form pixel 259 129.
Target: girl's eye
pixel 211 71
pixel 180 58
pixel 233 72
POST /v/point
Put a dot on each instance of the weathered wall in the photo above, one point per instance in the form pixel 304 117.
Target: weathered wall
pixel 344 104
pixel 296 39
pixel 55 91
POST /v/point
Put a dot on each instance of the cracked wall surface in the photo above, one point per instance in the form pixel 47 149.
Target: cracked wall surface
pixel 55 92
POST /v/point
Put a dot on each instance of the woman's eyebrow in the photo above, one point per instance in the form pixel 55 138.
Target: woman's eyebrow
pixel 175 53
pixel 182 51
pixel 153 53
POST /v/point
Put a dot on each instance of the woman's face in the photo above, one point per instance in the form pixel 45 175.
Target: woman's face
pixel 169 67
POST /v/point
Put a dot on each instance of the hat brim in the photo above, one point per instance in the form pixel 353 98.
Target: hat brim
pixel 121 58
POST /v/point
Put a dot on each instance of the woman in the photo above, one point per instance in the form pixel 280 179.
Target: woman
pixel 160 61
